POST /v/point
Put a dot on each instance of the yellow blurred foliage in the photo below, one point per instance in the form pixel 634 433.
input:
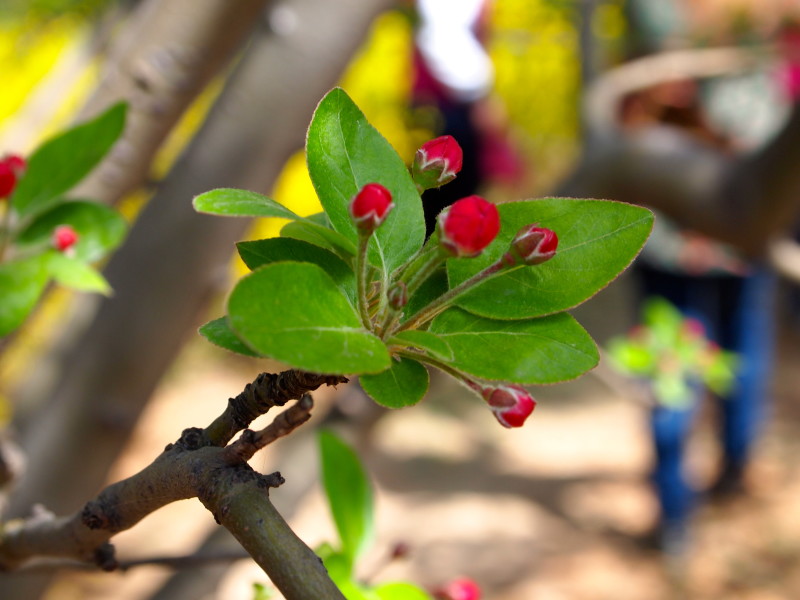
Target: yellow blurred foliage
pixel 534 48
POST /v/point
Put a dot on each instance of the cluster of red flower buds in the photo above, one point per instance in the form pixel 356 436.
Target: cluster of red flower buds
pixel 11 169
pixel 465 229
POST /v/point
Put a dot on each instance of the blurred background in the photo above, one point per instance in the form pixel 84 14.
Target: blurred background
pixel 611 490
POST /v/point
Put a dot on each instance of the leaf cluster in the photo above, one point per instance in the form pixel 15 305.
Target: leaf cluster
pixel 300 303
pixel 39 204
pixel 673 355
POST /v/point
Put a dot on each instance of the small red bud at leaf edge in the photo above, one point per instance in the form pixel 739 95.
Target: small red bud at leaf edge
pixel 64 238
pixel 370 207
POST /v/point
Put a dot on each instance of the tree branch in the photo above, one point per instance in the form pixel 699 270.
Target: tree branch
pixel 163 59
pixel 194 466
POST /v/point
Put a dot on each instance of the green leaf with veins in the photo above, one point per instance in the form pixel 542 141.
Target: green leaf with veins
pixel 544 350
pixel 598 239
pixel 344 153
pixel 402 384
pixel 295 313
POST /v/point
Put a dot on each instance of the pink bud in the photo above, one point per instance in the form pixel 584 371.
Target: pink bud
pixel 437 162
pixel 468 226
pixel 371 206
pixel 397 295
pixel 534 245
pixel 511 404
pixel 459 589
pixel 64 238
pixel 11 169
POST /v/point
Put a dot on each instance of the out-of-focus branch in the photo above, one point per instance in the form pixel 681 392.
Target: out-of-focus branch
pixel 192 467
pixel 744 200
pixel 601 102
pixel 162 60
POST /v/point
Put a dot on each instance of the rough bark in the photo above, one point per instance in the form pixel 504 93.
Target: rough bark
pixel 201 465
pixel 165 56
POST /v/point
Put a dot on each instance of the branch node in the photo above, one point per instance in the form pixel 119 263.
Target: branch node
pixel 193 438
pixel 92 516
pixel 104 557
pixel 272 480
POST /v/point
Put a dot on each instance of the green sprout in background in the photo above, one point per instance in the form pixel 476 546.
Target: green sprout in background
pixel 673 354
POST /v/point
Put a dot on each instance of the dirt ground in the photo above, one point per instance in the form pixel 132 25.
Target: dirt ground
pixel 554 511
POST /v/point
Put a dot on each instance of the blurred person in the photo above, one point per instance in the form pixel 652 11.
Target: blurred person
pixel 732 297
pixel 453 76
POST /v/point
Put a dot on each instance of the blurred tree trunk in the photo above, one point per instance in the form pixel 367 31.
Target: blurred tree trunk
pixel 175 260
pixel 743 199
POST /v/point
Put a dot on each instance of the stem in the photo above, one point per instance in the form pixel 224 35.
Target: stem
pixel 422 256
pixel 362 267
pixel 424 271
pixel 442 366
pixel 428 312
pixel 5 226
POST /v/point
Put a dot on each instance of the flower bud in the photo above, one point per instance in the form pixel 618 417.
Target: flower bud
pixel 468 226
pixel 64 238
pixel 459 589
pixel 437 162
pixel 534 245
pixel 11 169
pixel 397 295
pixel 511 404
pixel 370 207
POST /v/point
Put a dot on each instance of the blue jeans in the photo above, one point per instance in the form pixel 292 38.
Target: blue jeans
pixel 737 314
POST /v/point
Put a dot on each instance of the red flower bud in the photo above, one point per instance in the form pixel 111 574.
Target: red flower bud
pixel 534 245
pixel 11 169
pixel 511 404
pixel 371 206
pixel 459 589
pixel 437 162
pixel 64 238
pixel 468 226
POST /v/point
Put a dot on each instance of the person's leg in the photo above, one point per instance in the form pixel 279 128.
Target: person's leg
pixel 670 430
pixel 749 330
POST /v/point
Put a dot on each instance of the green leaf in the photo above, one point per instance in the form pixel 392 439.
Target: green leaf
pixel 403 384
pixel 230 202
pixel 262 252
pixel 598 239
pixel 21 284
pixel 294 312
pixel 76 274
pixel 349 494
pixel 219 333
pixel 344 153
pixel 400 591
pixel 544 350
pixel 262 592
pixel 100 228
pixel 60 163
pixel 423 340
pixel 320 235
